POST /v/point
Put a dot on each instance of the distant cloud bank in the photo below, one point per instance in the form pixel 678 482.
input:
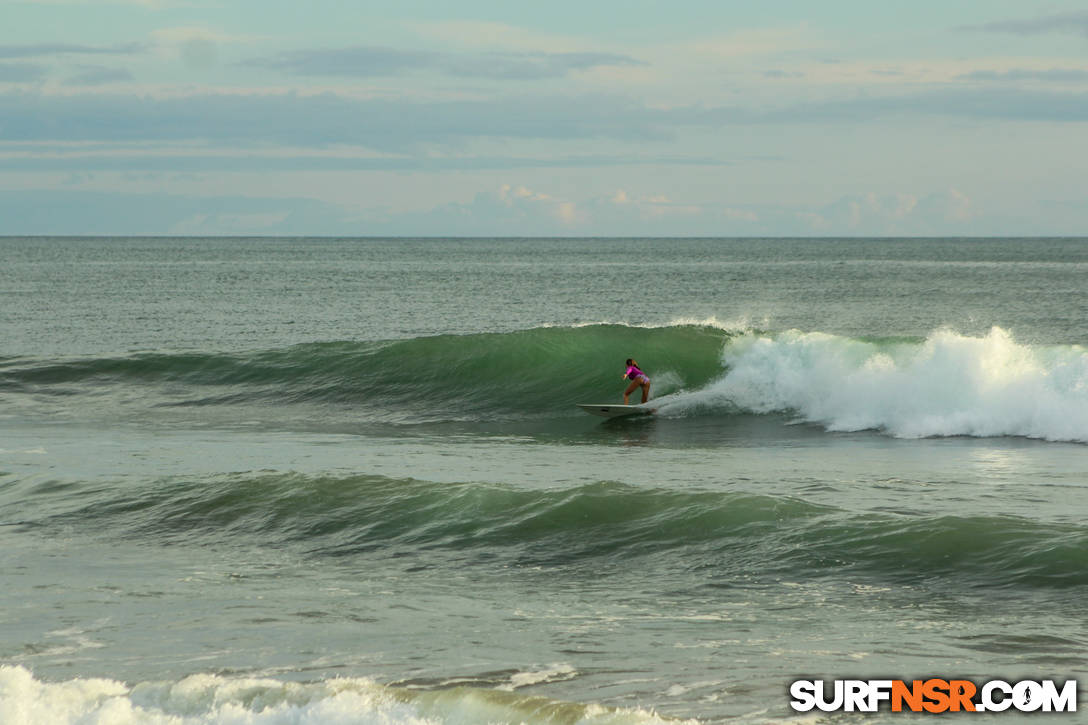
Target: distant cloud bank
pixel 1075 23
pixel 369 61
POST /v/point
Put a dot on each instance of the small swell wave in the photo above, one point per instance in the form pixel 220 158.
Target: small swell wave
pixel 590 526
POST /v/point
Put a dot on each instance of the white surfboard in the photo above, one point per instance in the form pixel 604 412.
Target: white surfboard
pixel 614 411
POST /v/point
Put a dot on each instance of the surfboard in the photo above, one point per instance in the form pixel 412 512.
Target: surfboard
pixel 606 410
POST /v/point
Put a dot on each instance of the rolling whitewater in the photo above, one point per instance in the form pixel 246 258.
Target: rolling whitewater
pixel 346 480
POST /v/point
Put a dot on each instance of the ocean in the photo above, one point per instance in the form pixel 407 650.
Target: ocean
pixel 287 481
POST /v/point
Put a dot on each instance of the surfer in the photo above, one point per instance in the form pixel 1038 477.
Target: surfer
pixel 638 379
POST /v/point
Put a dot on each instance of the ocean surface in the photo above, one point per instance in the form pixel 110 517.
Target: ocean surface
pixel 286 481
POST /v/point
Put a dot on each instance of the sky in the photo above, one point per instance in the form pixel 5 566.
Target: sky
pixel 587 118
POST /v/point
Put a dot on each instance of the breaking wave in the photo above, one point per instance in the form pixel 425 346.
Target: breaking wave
pixel 946 384
pixel 212 699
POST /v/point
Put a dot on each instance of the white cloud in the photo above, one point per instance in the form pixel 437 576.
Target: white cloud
pixel 950 206
pixel 1030 75
pixel 655 206
pixel 1075 23
pixel 365 61
pixel 513 210
pixel 161 204
pixel 892 214
pixel 536 207
pixel 498 36
pixel 569 213
pixel 197 46
pixel 743 215
pixel 932 71
pixel 756 42
pixel 228 224
pixel 510 195
pixel 518 210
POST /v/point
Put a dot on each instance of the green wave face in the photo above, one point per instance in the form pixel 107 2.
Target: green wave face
pixel 456 376
pixel 591 527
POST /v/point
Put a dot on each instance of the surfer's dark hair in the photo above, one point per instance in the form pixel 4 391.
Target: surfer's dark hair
pixel 631 361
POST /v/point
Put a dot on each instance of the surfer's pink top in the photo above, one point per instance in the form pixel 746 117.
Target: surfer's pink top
pixel 634 373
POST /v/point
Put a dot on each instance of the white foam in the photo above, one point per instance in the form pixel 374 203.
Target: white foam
pixel 950 384
pixel 665 382
pixel 737 326
pixel 197 700
pixel 555 673
pixel 208 699
pixel 734 326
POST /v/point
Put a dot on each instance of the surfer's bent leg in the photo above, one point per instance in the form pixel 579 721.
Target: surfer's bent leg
pixel 630 389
